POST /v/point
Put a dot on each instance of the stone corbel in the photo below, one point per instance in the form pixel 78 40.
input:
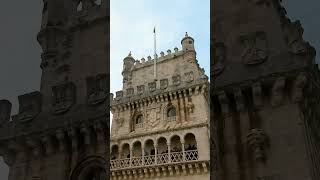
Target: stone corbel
pixel 124 175
pixel 72 133
pixel 205 167
pixel 257 95
pixel 140 173
pixel 258 141
pixel 151 173
pixel 85 131
pixel 47 144
pixel 61 140
pixel 170 170
pixel 135 174
pixel 164 171
pixel 197 168
pixel 278 91
pixel 146 173
pixel 129 174
pixel 239 99
pixel 158 171
pixel 177 169
pixel 184 169
pixel 224 102
pixel 190 169
pixel 35 146
pixel 299 84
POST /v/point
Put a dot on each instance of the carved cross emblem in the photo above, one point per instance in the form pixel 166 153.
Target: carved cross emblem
pixel 255 49
pixel 163 83
pixel 189 76
pixel 176 79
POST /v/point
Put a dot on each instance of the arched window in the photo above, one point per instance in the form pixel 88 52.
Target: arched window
pixel 139 119
pixel 171 114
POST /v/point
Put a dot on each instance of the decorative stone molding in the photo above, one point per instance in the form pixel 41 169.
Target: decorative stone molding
pixel 190 106
pixel 277 94
pixel 294 38
pixel 224 102
pixel 255 48
pixel 258 141
pixel 257 95
pixel 29 106
pixel 219 58
pixel 168 170
pixel 298 87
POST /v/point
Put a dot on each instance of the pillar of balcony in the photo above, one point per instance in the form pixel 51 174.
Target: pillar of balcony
pixel 183 151
pixel 142 153
pixel 155 153
pixel 169 152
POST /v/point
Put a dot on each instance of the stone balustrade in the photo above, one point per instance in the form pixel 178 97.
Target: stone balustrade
pixel 158 159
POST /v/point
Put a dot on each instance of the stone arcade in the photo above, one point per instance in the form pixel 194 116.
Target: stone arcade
pixel 60 133
pixel 265 97
pixel 160 127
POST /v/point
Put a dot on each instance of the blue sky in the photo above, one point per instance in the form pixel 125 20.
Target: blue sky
pixel 132 24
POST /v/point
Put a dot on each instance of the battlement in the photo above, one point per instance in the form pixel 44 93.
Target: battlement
pixel 163 57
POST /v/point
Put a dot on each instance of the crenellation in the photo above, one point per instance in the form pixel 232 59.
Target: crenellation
pixel 5 111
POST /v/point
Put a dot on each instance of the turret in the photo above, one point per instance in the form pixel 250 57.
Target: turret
pixel 128 63
pixel 187 43
pixel 5 111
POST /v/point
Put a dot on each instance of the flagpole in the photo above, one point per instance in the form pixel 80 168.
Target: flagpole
pixel 155 55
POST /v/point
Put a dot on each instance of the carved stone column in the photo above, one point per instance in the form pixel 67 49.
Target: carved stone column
pixel 258 140
pixel 74 145
pixel 36 158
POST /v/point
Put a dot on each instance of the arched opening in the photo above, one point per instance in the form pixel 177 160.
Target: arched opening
pixel 171 113
pixel 176 149
pixel 137 122
pixel 162 151
pixel 149 148
pixel 190 146
pixel 190 142
pixel 92 168
pixel 149 152
pixel 136 154
pixel 114 152
pixel 125 151
pixel 137 149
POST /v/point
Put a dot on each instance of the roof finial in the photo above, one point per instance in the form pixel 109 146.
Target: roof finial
pixel 129 54
pixel 187 34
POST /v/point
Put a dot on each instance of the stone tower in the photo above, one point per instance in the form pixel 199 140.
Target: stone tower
pixel 61 132
pixel 160 127
pixel 265 95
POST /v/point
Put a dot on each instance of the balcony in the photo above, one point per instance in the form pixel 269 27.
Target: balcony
pixel 158 159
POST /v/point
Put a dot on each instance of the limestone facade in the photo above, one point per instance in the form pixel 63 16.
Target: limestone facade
pixel 265 81
pixel 61 132
pixel 160 125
